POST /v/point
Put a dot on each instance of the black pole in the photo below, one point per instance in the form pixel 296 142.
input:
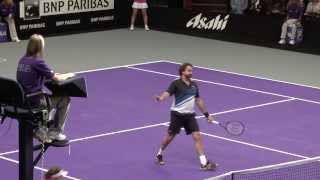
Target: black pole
pixel 25 150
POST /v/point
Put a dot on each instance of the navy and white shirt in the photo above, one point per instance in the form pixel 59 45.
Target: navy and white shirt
pixel 184 96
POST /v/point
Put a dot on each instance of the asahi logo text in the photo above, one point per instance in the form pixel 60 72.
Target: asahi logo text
pixel 202 22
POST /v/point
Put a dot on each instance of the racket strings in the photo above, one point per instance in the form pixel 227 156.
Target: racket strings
pixel 235 127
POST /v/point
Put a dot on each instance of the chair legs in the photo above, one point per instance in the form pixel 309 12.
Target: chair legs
pixel 25 150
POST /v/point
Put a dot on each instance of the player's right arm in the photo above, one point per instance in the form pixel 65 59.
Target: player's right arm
pixel 163 96
pixel 169 92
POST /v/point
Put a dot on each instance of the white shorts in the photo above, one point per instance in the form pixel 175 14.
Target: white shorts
pixel 137 5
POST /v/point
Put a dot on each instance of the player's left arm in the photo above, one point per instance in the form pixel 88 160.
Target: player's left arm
pixel 202 107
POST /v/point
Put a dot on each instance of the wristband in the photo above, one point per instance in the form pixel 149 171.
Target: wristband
pixel 206 114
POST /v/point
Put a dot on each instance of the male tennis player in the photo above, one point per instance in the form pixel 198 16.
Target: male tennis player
pixel 32 72
pixel 186 94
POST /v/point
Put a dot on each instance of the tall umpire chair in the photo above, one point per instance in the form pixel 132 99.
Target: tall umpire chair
pixel 15 104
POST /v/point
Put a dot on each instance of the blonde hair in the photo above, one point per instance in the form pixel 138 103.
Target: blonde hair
pixel 35 45
pixel 8 2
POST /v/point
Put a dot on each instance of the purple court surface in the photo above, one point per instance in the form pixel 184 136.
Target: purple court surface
pixel 116 131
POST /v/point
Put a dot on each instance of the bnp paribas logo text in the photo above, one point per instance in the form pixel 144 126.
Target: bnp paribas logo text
pixel 218 23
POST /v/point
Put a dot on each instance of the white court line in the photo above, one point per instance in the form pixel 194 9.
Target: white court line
pixel 160 124
pixel 85 71
pixel 206 134
pixel 291 98
pixel 226 85
pixel 130 66
pixel 212 69
pixel 251 76
pixel 252 145
pixel 152 62
pixel 117 132
pixel 9 152
pixel 117 67
pixel 250 107
pixel 36 167
pixel 99 135
pixel 201 67
pixel 83 139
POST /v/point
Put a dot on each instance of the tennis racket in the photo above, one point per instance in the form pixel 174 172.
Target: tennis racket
pixel 234 128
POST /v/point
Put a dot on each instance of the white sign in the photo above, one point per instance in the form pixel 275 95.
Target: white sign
pixel 38 8
pixel 202 22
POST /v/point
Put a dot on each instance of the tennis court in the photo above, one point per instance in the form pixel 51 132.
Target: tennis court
pixel 116 131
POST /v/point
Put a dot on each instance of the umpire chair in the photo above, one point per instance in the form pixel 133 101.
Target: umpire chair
pixel 15 104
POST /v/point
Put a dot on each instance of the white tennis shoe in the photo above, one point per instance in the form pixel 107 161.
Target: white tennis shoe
pixel 53 135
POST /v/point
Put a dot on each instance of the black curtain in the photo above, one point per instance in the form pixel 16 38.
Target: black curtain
pixel 175 3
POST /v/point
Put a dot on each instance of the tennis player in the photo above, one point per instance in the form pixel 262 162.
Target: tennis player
pixel 32 71
pixel 186 94
pixel 136 6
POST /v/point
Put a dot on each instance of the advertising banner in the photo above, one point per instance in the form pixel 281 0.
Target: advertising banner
pixel 64 16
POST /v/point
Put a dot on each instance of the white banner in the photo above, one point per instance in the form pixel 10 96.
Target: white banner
pixel 34 9
pixel 208 23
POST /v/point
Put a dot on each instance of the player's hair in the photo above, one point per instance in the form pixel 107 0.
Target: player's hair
pixel 35 45
pixel 51 172
pixel 8 2
pixel 183 67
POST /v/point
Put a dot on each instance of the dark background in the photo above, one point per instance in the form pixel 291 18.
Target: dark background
pixel 171 16
pixel 256 29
